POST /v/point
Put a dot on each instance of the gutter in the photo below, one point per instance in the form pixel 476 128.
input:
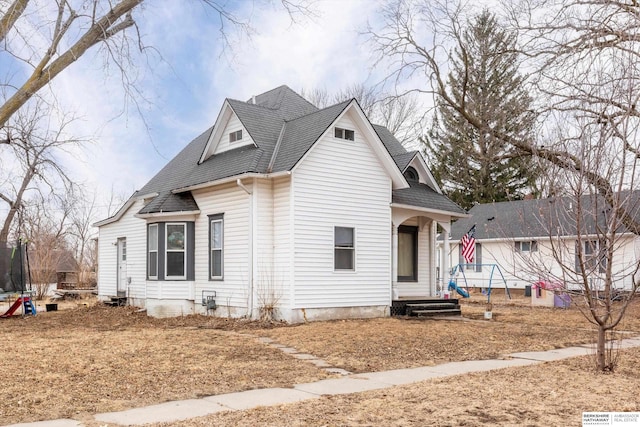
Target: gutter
pixel 231 179
pixel 434 211
pixel 165 214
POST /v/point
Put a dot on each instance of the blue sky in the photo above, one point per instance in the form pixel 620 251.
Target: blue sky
pixel 185 83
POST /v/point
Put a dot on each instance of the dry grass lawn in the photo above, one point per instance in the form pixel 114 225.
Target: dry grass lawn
pixel 550 394
pixel 86 360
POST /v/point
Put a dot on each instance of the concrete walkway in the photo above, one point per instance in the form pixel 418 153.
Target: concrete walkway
pixel 354 383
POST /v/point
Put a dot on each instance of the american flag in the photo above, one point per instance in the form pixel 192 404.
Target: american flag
pixel 468 242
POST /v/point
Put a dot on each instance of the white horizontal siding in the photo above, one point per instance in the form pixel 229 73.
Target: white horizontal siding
pixel 233 202
pixel 341 183
pixel 232 125
pixel 270 277
pixel 523 269
pixel 282 253
pixel 134 230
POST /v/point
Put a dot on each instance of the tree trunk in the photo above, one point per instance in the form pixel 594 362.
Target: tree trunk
pixel 600 349
pixel 6 226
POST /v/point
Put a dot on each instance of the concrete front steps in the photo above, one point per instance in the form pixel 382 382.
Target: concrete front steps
pixel 426 307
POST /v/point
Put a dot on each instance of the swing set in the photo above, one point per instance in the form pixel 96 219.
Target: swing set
pixel 453 281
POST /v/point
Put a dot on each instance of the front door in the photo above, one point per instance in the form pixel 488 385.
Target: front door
pixel 122 266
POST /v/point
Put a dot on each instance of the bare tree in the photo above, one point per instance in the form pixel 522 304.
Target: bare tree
pixel 44 226
pixel 48 46
pixel 582 61
pixel 35 142
pixel 399 114
pixel 82 236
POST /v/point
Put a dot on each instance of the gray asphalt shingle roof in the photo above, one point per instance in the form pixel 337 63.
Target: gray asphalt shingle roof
pixel 170 202
pixel 303 125
pixel 540 218
pixel 424 196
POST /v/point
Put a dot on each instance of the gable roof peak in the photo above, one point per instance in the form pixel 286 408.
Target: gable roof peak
pixel 287 102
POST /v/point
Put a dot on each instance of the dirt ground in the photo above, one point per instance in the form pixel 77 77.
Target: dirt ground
pixel 90 358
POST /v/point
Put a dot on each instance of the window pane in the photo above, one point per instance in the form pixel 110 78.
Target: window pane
pixel 534 246
pixel 344 259
pixel 175 237
pixel 406 248
pixel 526 246
pixel 153 264
pixel 216 235
pixel 175 263
pixel 350 135
pixel 216 263
pixel 153 238
pixel 344 237
pixel 339 133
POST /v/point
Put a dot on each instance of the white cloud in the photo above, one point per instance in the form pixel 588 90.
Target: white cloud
pixel 187 84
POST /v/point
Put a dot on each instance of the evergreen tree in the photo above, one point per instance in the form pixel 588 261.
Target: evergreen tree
pixel 471 165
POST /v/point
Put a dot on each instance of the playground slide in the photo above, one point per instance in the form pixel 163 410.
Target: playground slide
pixel 455 287
pixel 17 303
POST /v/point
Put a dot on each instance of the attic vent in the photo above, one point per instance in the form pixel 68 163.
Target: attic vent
pixel 347 134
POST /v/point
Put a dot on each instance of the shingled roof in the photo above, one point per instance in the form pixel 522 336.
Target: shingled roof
pixel 284 126
pixel 422 195
pixel 540 218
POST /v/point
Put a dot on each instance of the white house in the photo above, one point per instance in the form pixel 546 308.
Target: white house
pixel 527 238
pixel 279 207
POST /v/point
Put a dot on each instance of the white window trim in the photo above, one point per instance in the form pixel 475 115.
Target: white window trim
pixel 212 249
pixel 149 250
pixel 343 129
pixel 238 139
pixel 167 250
pixel 344 270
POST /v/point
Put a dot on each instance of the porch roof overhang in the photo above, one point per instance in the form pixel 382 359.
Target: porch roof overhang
pixel 436 214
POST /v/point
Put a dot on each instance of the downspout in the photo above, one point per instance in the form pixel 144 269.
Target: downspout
pixel 250 269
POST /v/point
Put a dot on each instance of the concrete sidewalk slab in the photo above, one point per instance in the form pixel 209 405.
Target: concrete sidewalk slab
pixel 552 355
pixel 164 412
pixel 337 386
pixel 260 397
pixel 403 376
pixel 52 423
pixel 630 343
pixel 468 366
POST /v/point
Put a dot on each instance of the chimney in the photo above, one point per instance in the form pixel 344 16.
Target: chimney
pixel 253 99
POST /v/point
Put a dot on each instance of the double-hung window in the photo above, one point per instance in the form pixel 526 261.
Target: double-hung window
pixel 152 247
pixel 344 248
pixel 216 242
pixel 176 257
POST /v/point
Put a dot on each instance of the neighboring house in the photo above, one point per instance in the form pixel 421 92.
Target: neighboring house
pixel 280 206
pixel 522 236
